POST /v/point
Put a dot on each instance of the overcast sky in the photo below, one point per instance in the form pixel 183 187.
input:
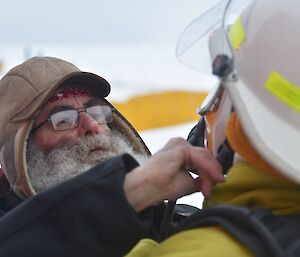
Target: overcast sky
pixel 97 21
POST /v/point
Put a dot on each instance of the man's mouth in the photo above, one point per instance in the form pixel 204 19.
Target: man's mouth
pixel 99 149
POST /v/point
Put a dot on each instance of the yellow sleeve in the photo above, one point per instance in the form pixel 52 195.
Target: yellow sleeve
pixel 201 242
pixel 143 248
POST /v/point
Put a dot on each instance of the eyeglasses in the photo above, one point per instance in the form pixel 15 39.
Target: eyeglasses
pixel 69 119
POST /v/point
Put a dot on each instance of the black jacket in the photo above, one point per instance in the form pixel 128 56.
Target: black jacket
pixel 86 216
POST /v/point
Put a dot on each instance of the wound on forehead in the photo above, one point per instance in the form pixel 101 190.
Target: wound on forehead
pixel 67 92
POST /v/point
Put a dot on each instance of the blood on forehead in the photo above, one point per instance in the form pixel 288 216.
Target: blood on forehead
pixel 68 92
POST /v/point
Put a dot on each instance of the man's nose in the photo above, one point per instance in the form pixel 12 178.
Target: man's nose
pixel 88 126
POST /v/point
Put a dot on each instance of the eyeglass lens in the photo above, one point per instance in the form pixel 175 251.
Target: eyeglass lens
pixel 68 119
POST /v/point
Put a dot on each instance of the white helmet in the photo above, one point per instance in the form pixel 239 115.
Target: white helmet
pixel 262 78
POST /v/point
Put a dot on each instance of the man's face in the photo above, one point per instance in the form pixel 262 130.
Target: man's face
pixel 47 138
pixel 55 156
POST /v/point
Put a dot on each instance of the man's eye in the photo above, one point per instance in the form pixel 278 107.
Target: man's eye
pixel 96 115
pixel 64 119
pixel 101 113
pixel 62 122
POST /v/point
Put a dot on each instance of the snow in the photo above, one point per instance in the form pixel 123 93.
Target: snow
pixel 131 44
pixel 131 70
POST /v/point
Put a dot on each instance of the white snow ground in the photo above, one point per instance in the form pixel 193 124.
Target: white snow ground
pixel 131 44
pixel 131 70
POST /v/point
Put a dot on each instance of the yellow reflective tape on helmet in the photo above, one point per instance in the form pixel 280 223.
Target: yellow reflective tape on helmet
pixel 284 90
pixel 237 34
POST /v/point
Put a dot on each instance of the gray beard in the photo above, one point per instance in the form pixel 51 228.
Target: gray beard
pixel 73 158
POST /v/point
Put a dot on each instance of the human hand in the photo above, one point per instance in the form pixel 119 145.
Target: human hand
pixel 165 175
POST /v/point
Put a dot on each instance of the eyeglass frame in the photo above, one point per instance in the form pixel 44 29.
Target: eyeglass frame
pixel 79 110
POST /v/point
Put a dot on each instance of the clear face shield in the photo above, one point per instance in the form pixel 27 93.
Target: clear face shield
pixel 206 45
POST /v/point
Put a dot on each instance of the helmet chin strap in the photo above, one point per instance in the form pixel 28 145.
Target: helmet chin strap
pixel 210 132
pixel 216 122
pixel 215 132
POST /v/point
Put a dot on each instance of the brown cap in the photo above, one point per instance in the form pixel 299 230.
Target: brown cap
pixel 23 90
pixel 25 87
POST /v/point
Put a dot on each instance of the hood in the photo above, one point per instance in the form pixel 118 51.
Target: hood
pixel 23 90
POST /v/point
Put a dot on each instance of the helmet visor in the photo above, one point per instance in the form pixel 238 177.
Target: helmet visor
pixel 207 36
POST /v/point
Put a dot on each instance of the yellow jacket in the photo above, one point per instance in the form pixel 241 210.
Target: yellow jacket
pixel 252 183
pixel 244 186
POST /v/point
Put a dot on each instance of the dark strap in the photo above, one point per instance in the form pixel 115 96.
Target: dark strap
pixel 257 229
pixel 173 215
pixel 166 221
pixel 196 137
pixel 225 156
pixel 197 134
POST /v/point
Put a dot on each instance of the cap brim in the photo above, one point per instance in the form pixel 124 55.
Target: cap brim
pixel 96 84
pixel 270 133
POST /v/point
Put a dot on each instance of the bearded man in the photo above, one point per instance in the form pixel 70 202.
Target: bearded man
pixel 71 184
pixel 74 133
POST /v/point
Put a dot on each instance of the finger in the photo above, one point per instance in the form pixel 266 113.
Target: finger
pixel 184 184
pixel 206 185
pixel 175 141
pixel 202 161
